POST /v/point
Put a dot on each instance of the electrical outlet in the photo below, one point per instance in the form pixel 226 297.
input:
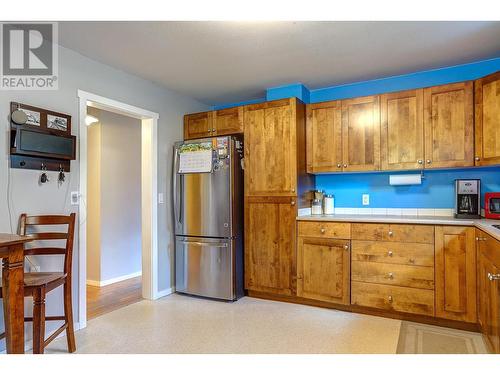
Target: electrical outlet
pixel 366 199
pixel 74 198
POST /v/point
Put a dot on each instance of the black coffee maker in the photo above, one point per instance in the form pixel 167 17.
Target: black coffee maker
pixel 467 199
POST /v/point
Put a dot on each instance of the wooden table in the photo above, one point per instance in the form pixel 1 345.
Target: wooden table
pixel 12 254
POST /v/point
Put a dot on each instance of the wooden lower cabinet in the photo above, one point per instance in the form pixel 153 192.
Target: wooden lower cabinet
pixel 270 244
pixel 489 290
pixel 456 273
pixel 393 298
pixel 323 269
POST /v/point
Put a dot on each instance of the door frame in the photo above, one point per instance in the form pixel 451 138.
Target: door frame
pixel 149 193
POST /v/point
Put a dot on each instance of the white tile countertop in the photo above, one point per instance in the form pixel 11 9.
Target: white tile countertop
pixel 483 224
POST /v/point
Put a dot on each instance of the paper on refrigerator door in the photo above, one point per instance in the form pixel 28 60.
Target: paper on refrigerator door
pixel 195 158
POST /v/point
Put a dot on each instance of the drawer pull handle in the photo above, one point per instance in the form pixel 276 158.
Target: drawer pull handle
pixel 391 275
pixel 322 230
pixel 390 233
pixel 480 239
pixel 389 253
pixel 492 276
pixel 390 299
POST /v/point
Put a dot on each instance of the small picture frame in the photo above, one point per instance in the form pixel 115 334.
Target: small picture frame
pixel 33 117
pixel 57 123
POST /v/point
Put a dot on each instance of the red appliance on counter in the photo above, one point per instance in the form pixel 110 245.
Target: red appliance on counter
pixel 492 205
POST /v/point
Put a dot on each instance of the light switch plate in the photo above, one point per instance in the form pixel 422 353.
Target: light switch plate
pixel 74 198
pixel 366 199
pixel 160 198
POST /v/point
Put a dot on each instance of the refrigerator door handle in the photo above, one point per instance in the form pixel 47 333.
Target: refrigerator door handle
pixel 176 186
pixel 206 244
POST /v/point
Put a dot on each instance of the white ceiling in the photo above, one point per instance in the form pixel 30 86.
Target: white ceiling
pixel 223 62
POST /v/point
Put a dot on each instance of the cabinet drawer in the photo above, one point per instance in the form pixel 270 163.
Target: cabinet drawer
pixel 395 298
pixel 324 229
pixel 393 274
pixel 393 232
pixel 416 254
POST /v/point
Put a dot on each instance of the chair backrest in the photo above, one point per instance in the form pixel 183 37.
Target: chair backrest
pixel 26 222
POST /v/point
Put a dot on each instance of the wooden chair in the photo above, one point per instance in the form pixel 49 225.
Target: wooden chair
pixel 38 284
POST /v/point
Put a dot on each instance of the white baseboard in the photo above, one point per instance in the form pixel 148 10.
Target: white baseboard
pixel 28 345
pixel 164 292
pixel 114 280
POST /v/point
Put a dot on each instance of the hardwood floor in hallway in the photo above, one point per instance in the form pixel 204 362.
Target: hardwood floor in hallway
pixel 102 300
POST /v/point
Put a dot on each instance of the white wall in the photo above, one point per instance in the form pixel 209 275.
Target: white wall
pixel 114 180
pixel 78 72
pixel 94 199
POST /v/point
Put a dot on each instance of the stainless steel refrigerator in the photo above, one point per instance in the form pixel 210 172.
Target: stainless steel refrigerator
pixel 208 215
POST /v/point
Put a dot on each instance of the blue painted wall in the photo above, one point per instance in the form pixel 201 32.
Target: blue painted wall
pixel 437 189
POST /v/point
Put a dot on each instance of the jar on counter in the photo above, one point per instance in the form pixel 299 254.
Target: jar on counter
pixel 328 204
pixel 316 207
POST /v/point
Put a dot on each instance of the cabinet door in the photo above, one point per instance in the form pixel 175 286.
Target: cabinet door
pixel 449 125
pixel 489 290
pixel 324 137
pixel 402 130
pixel 228 121
pixel 455 273
pixel 270 148
pixel 198 125
pixel 361 134
pixel 487 110
pixel 323 269
pixel 270 244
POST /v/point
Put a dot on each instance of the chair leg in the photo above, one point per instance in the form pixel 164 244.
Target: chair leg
pixel 68 313
pixel 39 321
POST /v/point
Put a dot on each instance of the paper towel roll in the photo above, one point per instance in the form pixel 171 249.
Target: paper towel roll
pixel 405 179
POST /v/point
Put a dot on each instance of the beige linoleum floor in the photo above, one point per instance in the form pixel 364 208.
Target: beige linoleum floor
pixel 182 324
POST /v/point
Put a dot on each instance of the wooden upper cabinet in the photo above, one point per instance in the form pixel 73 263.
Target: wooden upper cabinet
pixel 487 125
pixel 270 244
pixel 323 266
pixel 361 134
pixel 198 125
pixel 402 130
pixel 324 137
pixel 456 273
pixel 228 121
pixel 449 125
pixel 270 148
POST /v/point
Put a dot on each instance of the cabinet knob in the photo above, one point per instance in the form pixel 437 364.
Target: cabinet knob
pixel 293 190
pixel 477 158
pixel 390 275
pixel 339 165
pixel 493 276
pixel 420 161
pixel 292 203
pixel 429 161
pixel 390 299
pixel 345 165
pixel 213 130
pixel 411 260
pixel 346 246
pixel 209 131
pixel 389 253
pixel 390 233
pixel 322 230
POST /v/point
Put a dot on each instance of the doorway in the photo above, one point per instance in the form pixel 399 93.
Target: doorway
pixel 113 211
pixel 111 283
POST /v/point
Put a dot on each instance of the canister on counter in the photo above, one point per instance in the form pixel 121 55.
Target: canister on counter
pixel 316 207
pixel 328 204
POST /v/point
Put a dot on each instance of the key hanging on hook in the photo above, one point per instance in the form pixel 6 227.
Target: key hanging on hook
pixel 61 176
pixel 43 177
